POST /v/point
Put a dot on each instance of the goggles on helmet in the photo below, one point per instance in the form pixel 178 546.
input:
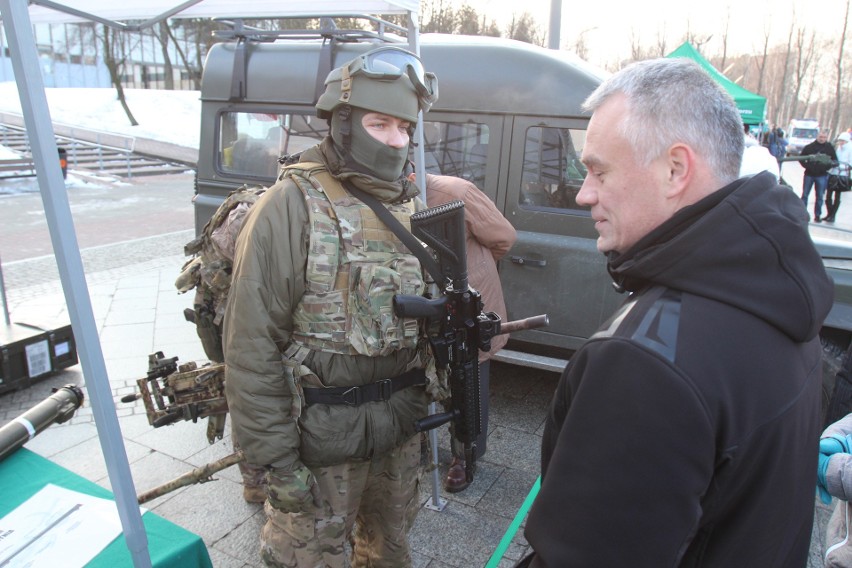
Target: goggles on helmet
pixel 390 63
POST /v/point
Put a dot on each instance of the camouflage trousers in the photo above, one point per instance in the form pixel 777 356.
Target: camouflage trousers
pixel 371 505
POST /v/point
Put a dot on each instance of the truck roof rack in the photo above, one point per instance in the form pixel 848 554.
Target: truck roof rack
pixel 327 31
pixel 379 29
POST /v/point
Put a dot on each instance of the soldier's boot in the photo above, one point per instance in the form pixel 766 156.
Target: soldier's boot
pixel 254 482
pixel 254 493
pixel 456 480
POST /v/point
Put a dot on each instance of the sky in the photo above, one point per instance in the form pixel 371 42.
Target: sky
pixel 608 34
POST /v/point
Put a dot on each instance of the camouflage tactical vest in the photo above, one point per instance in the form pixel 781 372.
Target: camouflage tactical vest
pixel 355 267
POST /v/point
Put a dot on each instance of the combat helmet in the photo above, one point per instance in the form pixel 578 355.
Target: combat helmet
pixel 388 79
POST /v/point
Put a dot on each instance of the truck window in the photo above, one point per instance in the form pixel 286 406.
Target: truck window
pixel 456 149
pixel 250 143
pixel 552 171
pixel 805 133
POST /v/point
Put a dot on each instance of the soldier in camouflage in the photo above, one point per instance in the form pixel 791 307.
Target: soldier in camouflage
pixel 324 382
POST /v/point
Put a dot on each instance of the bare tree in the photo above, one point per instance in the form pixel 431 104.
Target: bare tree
pixel 784 101
pixel 198 32
pixel 491 29
pixel 761 65
pixel 581 49
pixel 525 29
pixel 114 61
pixel 193 72
pixel 637 52
pixel 164 36
pixel 804 57
pixel 442 17
pixel 468 21
pixel 725 32
pixel 838 90
pixel 695 39
pixel 661 48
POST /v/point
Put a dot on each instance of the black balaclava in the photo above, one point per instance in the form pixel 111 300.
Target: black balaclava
pixel 365 153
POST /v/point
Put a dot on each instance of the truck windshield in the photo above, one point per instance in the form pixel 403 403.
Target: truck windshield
pixel 809 133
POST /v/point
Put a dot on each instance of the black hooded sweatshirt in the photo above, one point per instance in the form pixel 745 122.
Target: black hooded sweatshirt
pixel 685 431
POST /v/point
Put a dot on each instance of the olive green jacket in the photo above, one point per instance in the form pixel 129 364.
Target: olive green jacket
pixel 272 425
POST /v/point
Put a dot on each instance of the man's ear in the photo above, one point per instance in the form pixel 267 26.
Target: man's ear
pixel 681 165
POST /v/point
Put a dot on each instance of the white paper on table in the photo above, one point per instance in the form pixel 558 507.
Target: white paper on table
pixel 57 527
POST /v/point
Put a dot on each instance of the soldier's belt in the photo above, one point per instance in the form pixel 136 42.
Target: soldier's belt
pixel 373 392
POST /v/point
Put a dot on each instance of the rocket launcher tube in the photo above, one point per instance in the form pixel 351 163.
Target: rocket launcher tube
pixel 57 408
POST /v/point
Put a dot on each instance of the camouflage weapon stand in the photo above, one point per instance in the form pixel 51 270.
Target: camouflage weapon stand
pixel 172 392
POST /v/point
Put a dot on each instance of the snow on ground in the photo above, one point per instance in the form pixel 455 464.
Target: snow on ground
pixel 8 154
pixel 167 116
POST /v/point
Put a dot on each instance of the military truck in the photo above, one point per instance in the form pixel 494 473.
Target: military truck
pixel 508 118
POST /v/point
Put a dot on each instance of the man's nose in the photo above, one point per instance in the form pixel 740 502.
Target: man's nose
pixel 397 139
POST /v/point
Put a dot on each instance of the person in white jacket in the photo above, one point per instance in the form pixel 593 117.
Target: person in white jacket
pixel 834 479
pixel 756 158
pixel 838 176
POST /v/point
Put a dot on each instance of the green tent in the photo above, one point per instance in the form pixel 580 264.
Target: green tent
pixel 752 107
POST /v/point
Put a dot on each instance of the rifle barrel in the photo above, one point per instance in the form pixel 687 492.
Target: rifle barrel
pixel 197 475
pixel 528 323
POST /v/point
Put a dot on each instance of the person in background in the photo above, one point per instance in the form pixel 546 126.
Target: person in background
pixel 757 158
pixel 838 176
pixel 689 422
pixel 489 238
pixel 324 382
pixel 834 479
pixel 816 171
pixel 777 144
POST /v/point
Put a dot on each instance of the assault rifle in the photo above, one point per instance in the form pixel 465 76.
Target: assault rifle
pixel 816 158
pixel 459 327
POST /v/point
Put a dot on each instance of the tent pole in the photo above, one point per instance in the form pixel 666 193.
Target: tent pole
pixel 3 297
pixel 16 22
pixel 436 503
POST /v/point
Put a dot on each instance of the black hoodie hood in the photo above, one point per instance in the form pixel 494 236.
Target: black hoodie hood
pixel 746 245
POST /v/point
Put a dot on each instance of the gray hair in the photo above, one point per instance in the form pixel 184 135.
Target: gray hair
pixel 673 100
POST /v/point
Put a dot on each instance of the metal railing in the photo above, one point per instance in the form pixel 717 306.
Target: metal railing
pixel 74 139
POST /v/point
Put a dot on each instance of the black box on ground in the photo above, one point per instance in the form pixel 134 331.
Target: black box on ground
pixel 29 353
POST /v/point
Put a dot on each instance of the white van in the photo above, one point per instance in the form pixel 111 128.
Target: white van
pixel 801 132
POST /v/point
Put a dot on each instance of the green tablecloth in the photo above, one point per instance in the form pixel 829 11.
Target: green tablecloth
pixel 24 473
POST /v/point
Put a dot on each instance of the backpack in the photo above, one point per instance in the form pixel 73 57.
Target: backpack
pixel 209 269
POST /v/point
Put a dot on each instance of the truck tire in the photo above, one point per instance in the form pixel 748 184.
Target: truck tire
pixel 836 379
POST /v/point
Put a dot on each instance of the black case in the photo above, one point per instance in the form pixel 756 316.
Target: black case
pixel 29 353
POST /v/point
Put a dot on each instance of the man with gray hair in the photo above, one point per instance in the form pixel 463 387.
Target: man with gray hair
pixel 684 432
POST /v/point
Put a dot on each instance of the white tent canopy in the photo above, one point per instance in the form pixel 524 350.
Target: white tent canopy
pixel 17 17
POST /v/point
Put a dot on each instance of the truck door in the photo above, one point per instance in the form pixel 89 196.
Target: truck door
pixel 554 267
